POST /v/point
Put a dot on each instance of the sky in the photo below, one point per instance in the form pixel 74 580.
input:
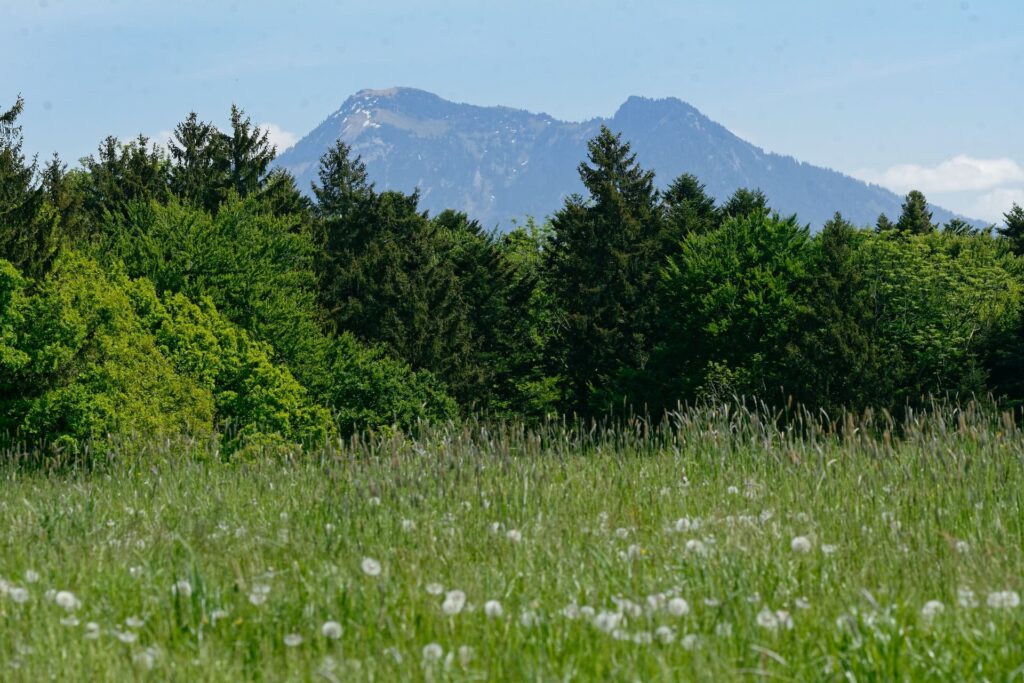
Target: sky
pixel 904 93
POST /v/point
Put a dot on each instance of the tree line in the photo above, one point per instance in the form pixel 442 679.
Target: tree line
pixel 197 288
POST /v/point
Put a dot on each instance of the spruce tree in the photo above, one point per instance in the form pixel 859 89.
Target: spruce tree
pixel 602 268
pixel 124 174
pixel 27 234
pixel 744 202
pixel 250 154
pixel 1013 229
pixel 687 210
pixel 883 224
pixel 915 218
pixel 202 165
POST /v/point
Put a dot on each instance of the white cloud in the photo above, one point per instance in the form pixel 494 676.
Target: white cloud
pixel 991 206
pixel 959 174
pixel 279 137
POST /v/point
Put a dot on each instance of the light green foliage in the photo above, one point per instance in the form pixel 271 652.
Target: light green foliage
pixel 79 363
pixel 807 559
pixel 935 301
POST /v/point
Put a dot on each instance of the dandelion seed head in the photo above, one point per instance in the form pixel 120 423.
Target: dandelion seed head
pixel 18 594
pixel 293 640
pixel 1003 600
pixel 966 598
pixel 696 547
pixel 127 637
pixel 665 634
pixel 331 630
pixel 182 588
pixel 92 631
pixel 690 641
pixel 31 576
pixel 134 622
pixel 932 609
pixel 435 588
pixel 514 535
pixel 800 544
pixel 678 607
pixel 371 567
pixel 767 619
pixel 408 525
pixel 432 652
pixel 454 602
pixel 493 609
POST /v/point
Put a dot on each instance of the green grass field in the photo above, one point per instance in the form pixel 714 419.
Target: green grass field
pixel 717 548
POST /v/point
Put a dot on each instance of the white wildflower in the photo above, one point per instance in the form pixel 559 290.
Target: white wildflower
pixel 92 631
pixel 966 598
pixel 829 549
pixel 1003 600
pixel 784 619
pixel 800 544
pixel 432 652
pixel 182 588
pixel 371 567
pixel 492 608
pixel 466 655
pixel 690 641
pixel 802 603
pixel 374 501
pixel 127 637
pixel 134 622
pixel 527 618
pixel 435 588
pixel 932 609
pixel 665 634
pixel 678 607
pixel 293 640
pixel 571 611
pixel 607 621
pixel 31 576
pixel 69 621
pixel 696 547
pixel 962 547
pixel 723 629
pixel 18 594
pixel 331 629
pixel 733 491
pixel 514 535
pixel 454 602
pixel 408 525
pixel 767 619
pixel 67 601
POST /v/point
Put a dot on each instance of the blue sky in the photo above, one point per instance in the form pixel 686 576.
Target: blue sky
pixel 905 93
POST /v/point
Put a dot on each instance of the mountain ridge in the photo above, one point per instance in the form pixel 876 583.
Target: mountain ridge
pixel 501 164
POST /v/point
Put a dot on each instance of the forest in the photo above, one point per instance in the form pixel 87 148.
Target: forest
pixel 197 290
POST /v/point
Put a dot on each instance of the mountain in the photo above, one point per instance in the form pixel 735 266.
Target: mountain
pixel 499 164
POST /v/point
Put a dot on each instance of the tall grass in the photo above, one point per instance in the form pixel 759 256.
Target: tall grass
pixel 722 542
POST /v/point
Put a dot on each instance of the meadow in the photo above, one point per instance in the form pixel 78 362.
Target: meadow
pixel 720 544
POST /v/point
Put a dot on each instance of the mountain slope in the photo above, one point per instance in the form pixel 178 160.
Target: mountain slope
pixel 500 164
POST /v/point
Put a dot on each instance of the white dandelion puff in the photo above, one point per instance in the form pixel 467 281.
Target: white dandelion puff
pixel 466 654
pixel 571 611
pixel 435 588
pixel 371 567
pixel 800 544
pixel 784 619
pixel 690 641
pixel 514 535
pixel 127 637
pixel 527 618
pixel 67 601
pixel 92 631
pixel 493 609
pixel 182 588
pixel 293 640
pixel 258 599
pixel 665 634
pixel 932 609
pixel 962 547
pixel 408 525
pixel 829 549
pixel 134 622
pixel 432 652
pixel 723 629
pixel 607 621
pixel 1003 600
pixel 966 598
pixel 218 614
pixel 454 602
pixel 18 594
pixel 622 532
pixel 31 576
pixel 733 490
pixel 331 630
pixel 767 619
pixel 802 603
pixel 374 501
pixel 496 527
pixel 69 621
pixel 696 547
pixel 678 607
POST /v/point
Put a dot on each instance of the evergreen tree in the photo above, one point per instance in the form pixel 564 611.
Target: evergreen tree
pixel 250 153
pixel 687 209
pixel 958 226
pixel 883 224
pixel 202 165
pixel 27 233
pixel 915 218
pixel 744 202
pixel 602 266
pixel 1013 229
pixel 124 174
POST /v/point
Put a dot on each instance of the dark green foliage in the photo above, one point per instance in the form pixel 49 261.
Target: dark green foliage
pixel 687 209
pixel 28 231
pixel 883 224
pixel 122 175
pixel 601 268
pixel 915 218
pixel 1013 229
pixel 733 303
pixel 958 226
pixel 744 202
